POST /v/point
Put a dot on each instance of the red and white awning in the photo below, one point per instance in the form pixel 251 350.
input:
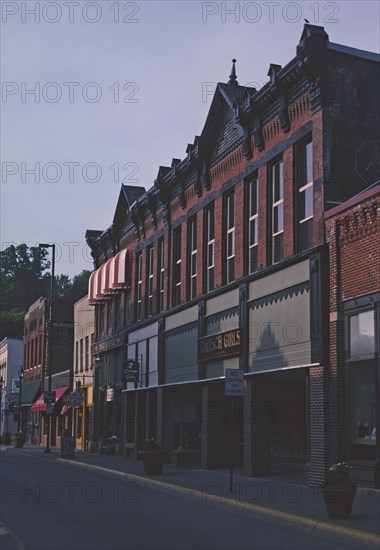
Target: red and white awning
pixel 111 277
pixel 40 405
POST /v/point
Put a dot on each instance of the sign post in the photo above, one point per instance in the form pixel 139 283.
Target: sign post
pixel 234 387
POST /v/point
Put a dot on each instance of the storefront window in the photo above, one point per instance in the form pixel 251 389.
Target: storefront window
pixel 187 420
pixel 362 334
pixel 363 404
pixel 361 349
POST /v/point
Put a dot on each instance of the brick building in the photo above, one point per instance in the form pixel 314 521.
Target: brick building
pixel 83 370
pixel 11 358
pixel 352 232
pixel 223 264
pixel 36 368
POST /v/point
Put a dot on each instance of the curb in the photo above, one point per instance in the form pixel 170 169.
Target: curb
pixel 325 526
pixel 368 491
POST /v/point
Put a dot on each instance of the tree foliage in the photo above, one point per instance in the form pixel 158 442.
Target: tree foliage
pixel 25 277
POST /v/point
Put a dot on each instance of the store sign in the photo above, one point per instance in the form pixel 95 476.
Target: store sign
pixel 110 343
pixel 131 371
pixel 225 344
pixel 49 396
pixel 75 398
pixel 110 394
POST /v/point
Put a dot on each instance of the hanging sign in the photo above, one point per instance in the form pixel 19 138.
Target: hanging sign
pixel 131 371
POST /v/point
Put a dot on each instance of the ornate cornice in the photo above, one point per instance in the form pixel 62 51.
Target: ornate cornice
pixel 360 222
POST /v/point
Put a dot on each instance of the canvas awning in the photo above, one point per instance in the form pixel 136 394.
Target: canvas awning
pixel 113 276
pixel 29 392
pixel 40 406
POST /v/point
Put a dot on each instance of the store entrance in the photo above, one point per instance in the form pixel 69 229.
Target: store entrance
pixel 286 407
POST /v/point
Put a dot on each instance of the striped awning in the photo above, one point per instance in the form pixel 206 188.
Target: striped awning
pixel 40 405
pixel 113 276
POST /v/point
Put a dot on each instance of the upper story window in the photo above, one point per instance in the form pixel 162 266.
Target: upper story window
pixel 150 276
pixel 252 219
pixel 304 199
pixel 86 353
pixel 209 249
pixel 76 356
pixel 139 283
pixel 127 307
pixel 117 310
pixel 192 258
pixel 177 266
pixel 161 274
pixel 81 355
pixel 40 350
pixel 101 319
pixel 109 316
pixel 277 211
pixel 229 240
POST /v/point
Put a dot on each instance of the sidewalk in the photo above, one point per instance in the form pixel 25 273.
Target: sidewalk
pixel 281 496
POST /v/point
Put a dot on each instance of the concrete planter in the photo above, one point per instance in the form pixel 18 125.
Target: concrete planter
pixel 153 461
pixel 339 500
pixel 18 441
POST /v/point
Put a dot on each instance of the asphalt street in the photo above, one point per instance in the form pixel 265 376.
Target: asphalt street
pixel 47 504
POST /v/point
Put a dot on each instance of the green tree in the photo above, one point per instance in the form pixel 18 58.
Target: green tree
pixel 23 276
pixel 80 285
pixel 62 286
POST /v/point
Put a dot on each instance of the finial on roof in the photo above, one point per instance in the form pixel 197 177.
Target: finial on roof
pixel 233 78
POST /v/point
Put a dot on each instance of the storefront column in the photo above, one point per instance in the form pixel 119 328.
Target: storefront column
pixel 136 421
pixel 160 415
pixel 247 428
pixel 317 427
pixel 204 428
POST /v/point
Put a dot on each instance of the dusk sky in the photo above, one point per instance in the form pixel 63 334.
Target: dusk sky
pixel 121 88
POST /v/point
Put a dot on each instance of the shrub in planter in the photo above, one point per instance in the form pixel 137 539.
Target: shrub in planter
pixel 18 440
pixel 6 439
pixel 339 491
pixel 153 457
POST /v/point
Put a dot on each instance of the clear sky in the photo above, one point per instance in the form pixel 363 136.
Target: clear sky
pixel 95 94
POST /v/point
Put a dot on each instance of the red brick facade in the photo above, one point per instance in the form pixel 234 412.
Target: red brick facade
pixel 352 233
pixel 273 125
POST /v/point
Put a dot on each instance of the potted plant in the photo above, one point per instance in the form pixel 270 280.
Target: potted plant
pixel 6 439
pixel 18 440
pixel 152 456
pixel 339 491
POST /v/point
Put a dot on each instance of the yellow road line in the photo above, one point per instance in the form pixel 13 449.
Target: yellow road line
pixel 277 514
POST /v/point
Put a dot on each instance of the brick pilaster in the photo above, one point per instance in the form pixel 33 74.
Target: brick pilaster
pixel 160 415
pixel 318 416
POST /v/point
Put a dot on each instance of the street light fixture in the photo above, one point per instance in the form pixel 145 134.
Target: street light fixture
pixel 50 334
pixel 20 377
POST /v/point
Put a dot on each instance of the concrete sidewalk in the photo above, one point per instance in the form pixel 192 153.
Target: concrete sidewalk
pixel 281 496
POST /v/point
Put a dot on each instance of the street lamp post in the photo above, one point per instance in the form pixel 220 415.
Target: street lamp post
pixel 20 377
pixel 50 337
pixel 1 396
